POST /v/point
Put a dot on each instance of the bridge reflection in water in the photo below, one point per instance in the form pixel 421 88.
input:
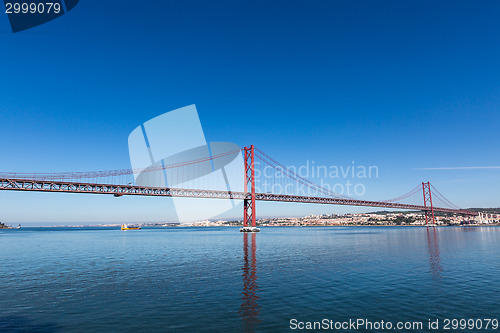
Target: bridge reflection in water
pixel 433 249
pixel 249 310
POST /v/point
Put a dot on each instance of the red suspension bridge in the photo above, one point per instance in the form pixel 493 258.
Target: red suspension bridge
pixel 260 172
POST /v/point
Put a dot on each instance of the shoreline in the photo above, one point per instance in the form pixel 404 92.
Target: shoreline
pixel 259 226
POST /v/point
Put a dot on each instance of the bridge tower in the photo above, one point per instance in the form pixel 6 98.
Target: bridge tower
pixel 249 202
pixel 429 213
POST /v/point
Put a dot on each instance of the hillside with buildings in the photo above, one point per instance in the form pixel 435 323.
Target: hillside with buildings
pixel 387 218
pixel 4 226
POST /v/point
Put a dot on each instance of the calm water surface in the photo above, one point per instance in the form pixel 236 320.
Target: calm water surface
pixel 218 280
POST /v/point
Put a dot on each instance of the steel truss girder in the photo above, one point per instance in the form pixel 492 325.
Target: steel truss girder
pixel 350 202
pixel 119 190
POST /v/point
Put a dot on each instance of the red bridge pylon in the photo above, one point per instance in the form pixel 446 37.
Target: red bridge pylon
pixel 429 213
pixel 249 203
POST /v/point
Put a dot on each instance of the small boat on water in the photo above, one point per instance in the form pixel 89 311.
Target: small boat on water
pixel 126 227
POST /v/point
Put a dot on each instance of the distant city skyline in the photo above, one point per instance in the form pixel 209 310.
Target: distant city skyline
pixel 411 88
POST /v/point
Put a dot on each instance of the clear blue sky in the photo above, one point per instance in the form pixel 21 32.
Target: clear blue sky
pixel 402 85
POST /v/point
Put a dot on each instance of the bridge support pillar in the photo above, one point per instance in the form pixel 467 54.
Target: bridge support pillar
pixel 429 212
pixel 249 201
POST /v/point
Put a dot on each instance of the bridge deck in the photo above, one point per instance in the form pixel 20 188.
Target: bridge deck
pixel 119 190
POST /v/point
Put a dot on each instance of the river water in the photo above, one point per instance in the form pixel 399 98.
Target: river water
pixel 218 280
